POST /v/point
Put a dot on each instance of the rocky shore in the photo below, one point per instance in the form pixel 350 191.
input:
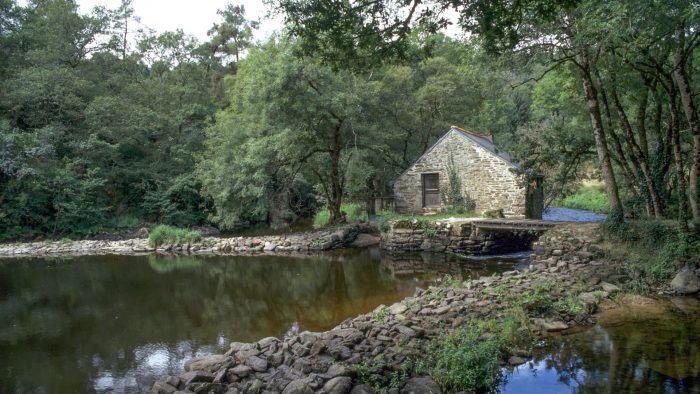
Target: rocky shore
pixel 358 234
pixel 376 349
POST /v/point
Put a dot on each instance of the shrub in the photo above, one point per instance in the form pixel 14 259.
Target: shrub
pixel 468 358
pixel 355 212
pixel 651 251
pixel 589 198
pixel 166 234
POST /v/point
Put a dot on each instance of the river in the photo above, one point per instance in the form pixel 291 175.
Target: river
pixel 116 323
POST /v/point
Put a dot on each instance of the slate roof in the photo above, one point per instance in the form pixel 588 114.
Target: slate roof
pixel 483 141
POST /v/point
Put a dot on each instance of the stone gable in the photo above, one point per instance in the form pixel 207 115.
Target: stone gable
pixel 486 178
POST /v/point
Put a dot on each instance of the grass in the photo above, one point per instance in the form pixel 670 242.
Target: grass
pixel 650 251
pixel 355 212
pixel 589 198
pixel 468 359
pixel 383 219
pixel 162 234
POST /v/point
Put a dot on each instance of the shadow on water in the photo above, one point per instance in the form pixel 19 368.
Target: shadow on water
pixel 116 323
pixel 641 349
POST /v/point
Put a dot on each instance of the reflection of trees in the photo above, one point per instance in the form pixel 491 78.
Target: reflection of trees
pixel 95 316
pixel 657 354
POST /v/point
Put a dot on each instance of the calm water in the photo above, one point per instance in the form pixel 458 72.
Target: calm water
pixel 115 323
pixel 651 349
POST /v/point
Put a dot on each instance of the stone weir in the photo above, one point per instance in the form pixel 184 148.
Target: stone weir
pixel 372 352
pixel 466 236
pixel 356 234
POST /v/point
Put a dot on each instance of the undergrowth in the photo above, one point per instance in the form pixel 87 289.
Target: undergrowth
pixel 589 198
pixel 468 359
pixel 650 251
pixel 162 234
pixel 355 212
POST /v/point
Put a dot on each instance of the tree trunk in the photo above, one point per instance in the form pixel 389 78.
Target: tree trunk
pixel 336 186
pixel 639 156
pixel 678 159
pixel 599 134
pixel 691 115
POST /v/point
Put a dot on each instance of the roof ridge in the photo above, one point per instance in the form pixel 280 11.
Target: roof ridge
pixel 475 134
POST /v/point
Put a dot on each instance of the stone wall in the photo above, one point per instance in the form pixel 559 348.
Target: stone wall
pixel 486 178
pixel 459 237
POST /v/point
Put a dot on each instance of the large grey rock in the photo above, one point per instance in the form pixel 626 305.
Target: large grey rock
pixel 686 281
pixel 208 363
pixel 365 240
pixel 609 287
pixel 299 386
pixel 162 387
pixel 361 389
pixel 257 363
pixel 338 385
pixel 336 370
pixel 196 377
pixel 421 385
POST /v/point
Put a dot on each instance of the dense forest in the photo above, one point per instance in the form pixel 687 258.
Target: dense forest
pixel 104 128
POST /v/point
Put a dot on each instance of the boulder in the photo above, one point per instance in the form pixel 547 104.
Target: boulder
pixel 609 287
pixel 196 377
pixel 361 389
pixel 338 385
pixel 299 386
pixel 208 363
pixel 686 281
pixel 257 363
pixel 365 240
pixel 420 385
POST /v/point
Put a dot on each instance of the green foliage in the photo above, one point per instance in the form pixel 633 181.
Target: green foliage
pixel 569 304
pixel 163 234
pixel 450 281
pixel 381 315
pixel 651 251
pixel 589 198
pixel 536 299
pixel 467 359
pixel 354 212
pixel 453 198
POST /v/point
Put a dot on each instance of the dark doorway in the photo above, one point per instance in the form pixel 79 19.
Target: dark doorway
pixel 431 190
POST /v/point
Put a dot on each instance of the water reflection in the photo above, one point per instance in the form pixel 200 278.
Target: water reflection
pixel 115 323
pixel 651 349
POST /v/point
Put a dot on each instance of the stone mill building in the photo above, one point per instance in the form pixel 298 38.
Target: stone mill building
pixel 487 178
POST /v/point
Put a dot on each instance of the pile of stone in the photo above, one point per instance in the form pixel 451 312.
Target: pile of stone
pixel 326 239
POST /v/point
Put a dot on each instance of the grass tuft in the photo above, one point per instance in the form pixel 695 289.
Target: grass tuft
pixel 162 234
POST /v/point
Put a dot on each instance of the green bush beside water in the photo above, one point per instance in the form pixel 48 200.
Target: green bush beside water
pixel 468 359
pixel 651 251
pixel 355 212
pixel 162 234
pixel 589 198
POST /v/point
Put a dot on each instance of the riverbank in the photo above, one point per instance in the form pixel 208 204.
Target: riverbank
pixel 311 241
pixel 389 350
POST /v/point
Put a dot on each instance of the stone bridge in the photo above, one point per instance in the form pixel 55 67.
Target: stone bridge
pixel 464 236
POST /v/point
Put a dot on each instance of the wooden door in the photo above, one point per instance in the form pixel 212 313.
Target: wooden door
pixel 431 190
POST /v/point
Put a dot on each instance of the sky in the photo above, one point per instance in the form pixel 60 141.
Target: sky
pixel 193 17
